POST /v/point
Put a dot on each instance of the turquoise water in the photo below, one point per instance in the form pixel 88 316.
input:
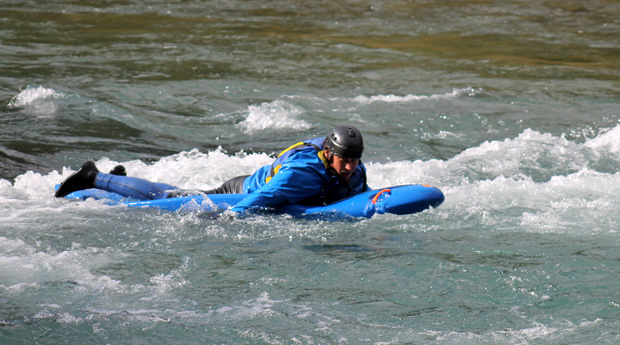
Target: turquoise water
pixel 510 108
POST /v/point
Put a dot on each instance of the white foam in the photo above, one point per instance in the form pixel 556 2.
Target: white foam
pixel 251 308
pixel 575 202
pixel 535 181
pixel 32 185
pixel 608 139
pixel 558 331
pixel 457 92
pixel 195 169
pixel 278 114
pixel 531 155
pixel 188 169
pixel 405 172
pixel 33 94
pixel 22 264
pixel 39 100
pixel 171 281
pixel 260 306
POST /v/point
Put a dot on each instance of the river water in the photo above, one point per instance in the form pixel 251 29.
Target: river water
pixel 511 108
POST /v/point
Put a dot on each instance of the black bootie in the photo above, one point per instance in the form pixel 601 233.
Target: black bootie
pixel 81 179
pixel 119 170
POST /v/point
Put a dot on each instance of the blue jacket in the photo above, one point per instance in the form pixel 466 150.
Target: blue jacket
pixel 300 174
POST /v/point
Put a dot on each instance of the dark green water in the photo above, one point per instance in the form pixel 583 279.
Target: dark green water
pixel 511 108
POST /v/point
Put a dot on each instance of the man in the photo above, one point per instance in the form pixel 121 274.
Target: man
pixel 313 172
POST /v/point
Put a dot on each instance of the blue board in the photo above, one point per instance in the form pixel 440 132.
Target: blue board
pixel 405 199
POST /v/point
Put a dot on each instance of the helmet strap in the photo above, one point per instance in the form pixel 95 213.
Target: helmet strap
pixel 329 156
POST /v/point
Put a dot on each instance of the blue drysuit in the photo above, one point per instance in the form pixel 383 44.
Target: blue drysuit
pixel 300 174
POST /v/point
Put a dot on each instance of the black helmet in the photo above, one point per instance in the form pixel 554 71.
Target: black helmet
pixel 345 141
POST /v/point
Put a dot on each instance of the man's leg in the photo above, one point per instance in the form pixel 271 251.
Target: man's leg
pixel 132 187
pixel 232 186
pixel 90 177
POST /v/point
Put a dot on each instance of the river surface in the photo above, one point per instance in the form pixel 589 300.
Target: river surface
pixel 511 108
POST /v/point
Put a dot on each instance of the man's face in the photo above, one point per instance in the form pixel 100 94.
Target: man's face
pixel 343 166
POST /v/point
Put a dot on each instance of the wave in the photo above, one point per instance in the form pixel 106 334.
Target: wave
pixel 22 264
pixel 32 95
pixel 457 92
pixel 608 139
pixel 531 155
pixel 533 179
pixel 347 108
pixel 278 114
pixel 40 101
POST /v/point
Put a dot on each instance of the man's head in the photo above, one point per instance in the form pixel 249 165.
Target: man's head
pixel 344 146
